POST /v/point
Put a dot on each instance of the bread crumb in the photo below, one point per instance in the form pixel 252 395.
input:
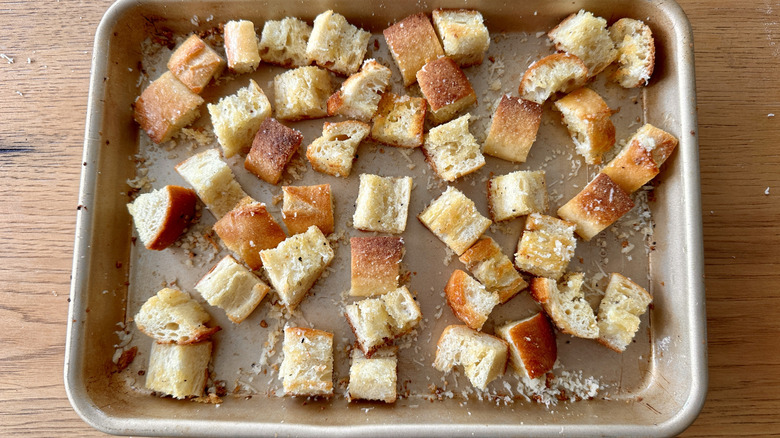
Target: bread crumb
pixel 766 192
pixel 770 115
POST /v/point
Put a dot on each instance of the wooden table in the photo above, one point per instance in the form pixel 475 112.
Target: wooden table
pixel 43 97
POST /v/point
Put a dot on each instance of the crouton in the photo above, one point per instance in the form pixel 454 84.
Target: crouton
pixel 334 151
pixel 248 229
pixel 482 356
pixel 304 206
pixel 532 347
pixel 233 288
pixel 597 206
pixel 375 378
pixel 546 246
pixel 307 366
pixel 162 215
pixel 166 106
pixel 640 160
pixel 517 194
pixel 283 42
pixel 213 181
pixel 172 316
pixel 586 116
pixel 618 318
pixel 180 371
pixel 559 72
pixel 636 52
pixel 377 321
pixel 382 204
pixel 412 42
pixel 565 304
pixel 302 93
pixel 399 121
pixel 273 147
pixel 455 220
pixel 513 129
pixel 337 45
pixel 485 260
pixel 195 63
pixel 445 87
pixel 237 118
pixel 452 151
pixel 358 97
pixel 241 46
pixel 586 36
pixel 463 34
pixel 375 265
pixel 469 300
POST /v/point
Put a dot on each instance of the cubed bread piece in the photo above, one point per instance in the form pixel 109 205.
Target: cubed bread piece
pixel 334 152
pixel 399 121
pixel 307 367
pixel 358 97
pixel 463 34
pixel 272 148
pixel 469 300
pixel 248 229
pixel 376 265
pixel 586 36
pixel 403 309
pixel 374 378
pixel 180 371
pixel 213 181
pixel 454 219
pixel 304 206
pixel 597 206
pixel 283 42
pixel 564 302
pixel 382 204
pixel 586 116
pixel 302 93
pixel 337 45
pixel 166 106
pixel 532 347
pixel 452 151
pixel 295 264
pixel 493 269
pixel 482 356
pixel 445 87
pixel 559 72
pixel 623 303
pixel 162 215
pixel 640 160
pixel 237 118
pixel 513 129
pixel 195 63
pixel 377 321
pixel 233 288
pixel 546 246
pixel 517 194
pixel 636 52
pixel 412 42
pixel 172 316
pixel 241 44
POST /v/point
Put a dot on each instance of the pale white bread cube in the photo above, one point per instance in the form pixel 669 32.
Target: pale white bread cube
pixel 241 46
pixel 463 34
pixel 556 73
pixel 237 118
pixel 160 216
pixel 273 147
pixel 452 151
pixel 334 152
pixel 358 97
pixel 295 264
pixel 564 302
pixel 587 117
pixel 213 181
pixel 180 371
pixel 513 129
pixel 482 356
pixel 337 45
pixel 455 220
pixel 233 288
pixel 600 204
pixel 195 63
pixel 399 121
pixel 302 93
pixel 172 316
pixel 618 318
pixel 517 194
pixel 377 321
pixel 307 367
pixel 532 347
pixel 446 88
pixel 546 246
pixel 469 300
pixel 248 229
pixel 641 159
pixel 376 265
pixel 304 206
pixel 412 42
pixel 636 52
pixel 375 378
pixel 382 204
pixel 485 260
pixel 403 309
pixel 166 106
pixel 283 42
pixel 586 36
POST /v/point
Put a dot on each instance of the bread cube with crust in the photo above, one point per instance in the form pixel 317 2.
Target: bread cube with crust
pixel 377 321
pixel 358 97
pixel 233 288
pixel 273 147
pixel 334 152
pixel 564 302
pixel 382 204
pixel 640 160
pixel 241 46
pixel 636 52
pixel 586 36
pixel 452 151
pixel 517 194
pixel 493 269
pixel 532 347
pixel 618 318
pixel 469 300
pixel 597 206
pixel 463 34
pixel 180 371
pixel 162 215
pixel 172 316
pixel 587 117
pixel 412 42
pixel 559 72
pixel 482 356
pixel 195 63
pixel 302 93
pixel 399 120
pixel 283 42
pixel 248 229
pixel 166 106
pixel 237 118
pixel 403 309
pixel 295 264
pixel 445 87
pixel 513 129
pixel 376 265
pixel 304 206
pixel 546 246
pixel 375 378
pixel 307 367
pixel 455 220
pixel 337 45
pixel 213 181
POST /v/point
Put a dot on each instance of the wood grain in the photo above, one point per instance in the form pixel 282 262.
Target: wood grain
pixel 43 102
